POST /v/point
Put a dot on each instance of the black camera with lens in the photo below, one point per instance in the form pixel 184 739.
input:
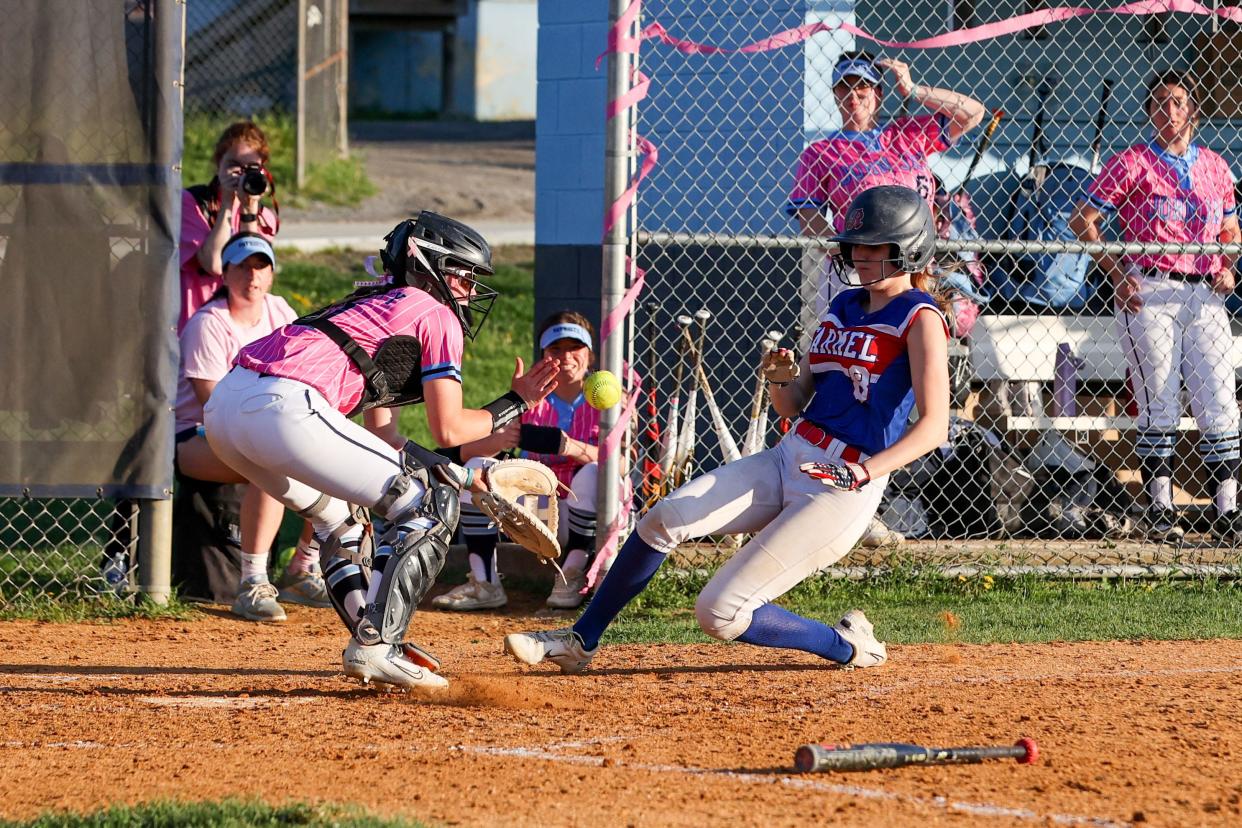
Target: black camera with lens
pixel 254 180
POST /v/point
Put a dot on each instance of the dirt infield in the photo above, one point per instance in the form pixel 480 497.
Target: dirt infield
pixel 658 735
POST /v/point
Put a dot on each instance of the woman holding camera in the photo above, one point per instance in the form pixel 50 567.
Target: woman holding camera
pixel 212 213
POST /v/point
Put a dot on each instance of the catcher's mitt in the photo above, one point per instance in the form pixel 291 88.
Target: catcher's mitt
pixel 521 498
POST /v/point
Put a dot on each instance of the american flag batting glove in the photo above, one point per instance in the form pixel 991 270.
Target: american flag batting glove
pixel 847 477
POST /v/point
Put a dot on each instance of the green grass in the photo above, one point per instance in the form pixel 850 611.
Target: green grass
pixel 229 813
pixel 341 181
pixel 31 605
pixel 312 280
pixel 983 609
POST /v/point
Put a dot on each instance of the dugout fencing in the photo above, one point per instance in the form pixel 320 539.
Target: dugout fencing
pixel 89 210
pixel 713 111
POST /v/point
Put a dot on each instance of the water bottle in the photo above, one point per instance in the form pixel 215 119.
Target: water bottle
pixel 115 573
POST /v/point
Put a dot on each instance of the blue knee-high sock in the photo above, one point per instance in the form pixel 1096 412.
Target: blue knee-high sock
pixel 773 626
pixel 630 573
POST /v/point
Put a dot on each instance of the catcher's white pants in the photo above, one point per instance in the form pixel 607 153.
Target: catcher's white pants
pixel 283 436
pixel 801 526
pixel 581 498
pixel 1180 337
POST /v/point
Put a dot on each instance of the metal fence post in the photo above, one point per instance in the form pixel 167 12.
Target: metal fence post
pixel 616 173
pixel 155 550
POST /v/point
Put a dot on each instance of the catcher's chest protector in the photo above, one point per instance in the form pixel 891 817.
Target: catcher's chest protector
pixel 393 377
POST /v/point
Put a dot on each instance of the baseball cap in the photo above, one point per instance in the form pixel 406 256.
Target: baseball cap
pixel 244 245
pixel 856 68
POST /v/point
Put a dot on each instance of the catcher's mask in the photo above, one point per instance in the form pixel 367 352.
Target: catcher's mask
pixel 888 215
pixel 424 251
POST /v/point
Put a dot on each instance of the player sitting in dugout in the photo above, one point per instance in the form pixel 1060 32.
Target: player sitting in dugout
pixel 562 432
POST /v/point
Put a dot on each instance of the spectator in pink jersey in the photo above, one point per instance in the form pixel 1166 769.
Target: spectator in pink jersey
pixel 242 311
pixel 1170 307
pixel 282 418
pixel 563 432
pixel 863 154
pixel 212 213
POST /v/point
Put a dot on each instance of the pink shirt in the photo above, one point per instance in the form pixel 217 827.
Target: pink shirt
pixel 1166 198
pixel 304 354
pixel 197 285
pixel 832 172
pixel 583 425
pixel 209 344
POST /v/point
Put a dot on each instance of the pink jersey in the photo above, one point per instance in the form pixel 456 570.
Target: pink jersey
pixel 210 343
pixel 1166 198
pixel 583 426
pixel 831 172
pixel 304 354
pixel 197 285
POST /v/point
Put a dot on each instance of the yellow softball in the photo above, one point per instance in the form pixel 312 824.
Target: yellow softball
pixel 602 390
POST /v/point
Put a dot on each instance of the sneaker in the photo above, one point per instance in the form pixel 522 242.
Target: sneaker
pixel 256 601
pixel 1162 525
pixel 879 536
pixel 562 647
pixel 857 630
pixel 1227 528
pixel 472 595
pixel 307 589
pixel 567 593
pixel 385 664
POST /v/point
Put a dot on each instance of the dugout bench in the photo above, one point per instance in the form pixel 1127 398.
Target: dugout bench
pixel 1013 359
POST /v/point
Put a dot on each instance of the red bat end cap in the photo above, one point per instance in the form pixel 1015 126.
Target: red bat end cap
pixel 1032 751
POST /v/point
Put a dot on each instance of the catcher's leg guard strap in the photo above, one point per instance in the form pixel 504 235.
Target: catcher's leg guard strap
pixel 418 555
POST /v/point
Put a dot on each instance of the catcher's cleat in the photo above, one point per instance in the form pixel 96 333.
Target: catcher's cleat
pixel 879 536
pixel 419 656
pixel 567 589
pixel 858 632
pixel 1162 525
pixel 472 595
pixel 562 647
pixel 386 664
pixel 256 601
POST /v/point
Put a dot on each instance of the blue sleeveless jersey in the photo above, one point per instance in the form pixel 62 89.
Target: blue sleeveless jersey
pixel 861 368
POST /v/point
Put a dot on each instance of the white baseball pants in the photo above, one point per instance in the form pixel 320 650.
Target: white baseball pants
pixel 801 526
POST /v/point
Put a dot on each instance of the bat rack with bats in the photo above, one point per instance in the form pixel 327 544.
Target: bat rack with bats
pixel 1101 119
pixel 756 431
pixel 652 473
pixel 876 755
pixel 984 141
pixel 668 459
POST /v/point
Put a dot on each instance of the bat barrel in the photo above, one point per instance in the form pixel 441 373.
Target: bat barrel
pixel 812 758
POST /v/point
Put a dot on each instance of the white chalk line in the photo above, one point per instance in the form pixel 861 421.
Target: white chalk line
pixel 799 782
pixel 229 702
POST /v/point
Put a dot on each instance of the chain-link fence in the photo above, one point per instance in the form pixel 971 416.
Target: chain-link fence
pixel 88 198
pixel 1083 439
pixel 272 58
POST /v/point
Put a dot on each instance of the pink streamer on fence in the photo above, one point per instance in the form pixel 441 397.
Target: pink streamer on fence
pixel 960 37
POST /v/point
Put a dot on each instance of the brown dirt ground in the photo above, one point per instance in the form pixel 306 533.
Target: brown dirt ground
pixel 654 735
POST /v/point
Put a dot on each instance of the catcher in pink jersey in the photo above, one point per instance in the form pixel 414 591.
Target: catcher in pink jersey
pixel 281 418
pixel 833 171
pixel 561 432
pixel 881 349
pixel 1171 315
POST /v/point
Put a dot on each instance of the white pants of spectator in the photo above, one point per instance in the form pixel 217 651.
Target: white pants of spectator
pixel 283 436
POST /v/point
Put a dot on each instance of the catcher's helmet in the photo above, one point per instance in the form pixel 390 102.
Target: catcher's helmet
pixel 423 251
pixel 896 216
